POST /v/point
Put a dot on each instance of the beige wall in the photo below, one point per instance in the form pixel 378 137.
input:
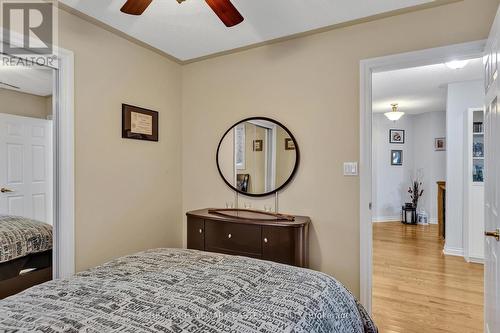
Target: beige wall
pixel 128 192
pixel 311 85
pixel 26 105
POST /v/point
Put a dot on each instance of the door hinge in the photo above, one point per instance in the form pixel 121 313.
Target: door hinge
pixel 370 206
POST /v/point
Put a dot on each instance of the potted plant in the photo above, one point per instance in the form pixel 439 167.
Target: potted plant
pixel 416 192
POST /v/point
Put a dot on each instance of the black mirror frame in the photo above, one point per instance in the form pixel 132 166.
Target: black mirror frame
pixel 290 178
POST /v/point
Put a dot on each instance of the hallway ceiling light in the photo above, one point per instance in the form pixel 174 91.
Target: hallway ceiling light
pixel 394 114
pixel 457 64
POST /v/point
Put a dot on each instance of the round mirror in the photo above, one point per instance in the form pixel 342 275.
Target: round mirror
pixel 257 156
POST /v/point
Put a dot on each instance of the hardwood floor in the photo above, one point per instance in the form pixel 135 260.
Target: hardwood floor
pixel 416 289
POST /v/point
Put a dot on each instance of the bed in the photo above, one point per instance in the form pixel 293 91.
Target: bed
pixel 25 254
pixel 173 290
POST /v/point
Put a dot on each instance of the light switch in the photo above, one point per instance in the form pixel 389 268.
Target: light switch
pixel 350 168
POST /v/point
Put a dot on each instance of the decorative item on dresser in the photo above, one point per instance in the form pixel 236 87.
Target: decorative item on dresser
pixel 262 235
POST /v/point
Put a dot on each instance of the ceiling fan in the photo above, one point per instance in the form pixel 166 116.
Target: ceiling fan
pixel 224 9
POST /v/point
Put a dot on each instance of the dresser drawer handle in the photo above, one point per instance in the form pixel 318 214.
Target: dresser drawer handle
pixel 265 240
pixel 229 236
pixel 200 231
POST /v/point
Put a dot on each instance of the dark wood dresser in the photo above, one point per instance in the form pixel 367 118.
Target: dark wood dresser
pixel 278 238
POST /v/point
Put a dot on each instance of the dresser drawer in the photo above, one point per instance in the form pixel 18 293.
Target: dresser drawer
pixel 227 231
pixel 279 244
pixel 233 238
pixel 195 233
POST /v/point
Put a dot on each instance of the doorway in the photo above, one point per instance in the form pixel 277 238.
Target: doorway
pixel 369 205
pixel 63 179
pixel 26 175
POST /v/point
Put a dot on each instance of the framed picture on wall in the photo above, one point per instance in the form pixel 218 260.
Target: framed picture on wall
pixel 258 145
pixel 242 181
pixel 396 136
pixel 397 157
pixel 440 144
pixel 289 144
pixel 139 123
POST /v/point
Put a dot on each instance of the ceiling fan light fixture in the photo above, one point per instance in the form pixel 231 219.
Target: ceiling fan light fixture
pixel 394 115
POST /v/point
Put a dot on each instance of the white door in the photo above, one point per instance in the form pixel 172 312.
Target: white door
pixel 26 167
pixel 492 182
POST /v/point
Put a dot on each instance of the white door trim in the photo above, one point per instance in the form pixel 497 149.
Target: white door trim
pixel 367 68
pixel 468 187
pixel 270 161
pixel 65 167
pixel 64 170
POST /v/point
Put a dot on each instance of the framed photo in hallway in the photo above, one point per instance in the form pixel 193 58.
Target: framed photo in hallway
pixel 440 144
pixel 396 136
pixel 397 157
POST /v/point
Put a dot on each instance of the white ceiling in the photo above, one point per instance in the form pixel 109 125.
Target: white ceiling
pixel 30 80
pixel 191 30
pixel 420 89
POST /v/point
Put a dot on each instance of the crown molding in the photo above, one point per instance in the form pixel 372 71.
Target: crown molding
pixel 107 27
pixel 115 31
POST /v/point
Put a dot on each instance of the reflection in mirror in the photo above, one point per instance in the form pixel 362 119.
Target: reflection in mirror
pixel 26 174
pixel 257 156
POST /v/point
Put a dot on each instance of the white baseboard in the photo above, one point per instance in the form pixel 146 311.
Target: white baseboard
pixel 453 251
pixel 475 260
pixel 433 220
pixel 380 219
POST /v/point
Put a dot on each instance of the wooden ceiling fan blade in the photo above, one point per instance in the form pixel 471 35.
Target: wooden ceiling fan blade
pixel 226 11
pixel 135 7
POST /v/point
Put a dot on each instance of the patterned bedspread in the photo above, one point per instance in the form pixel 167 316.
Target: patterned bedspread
pixel 166 290
pixel 20 236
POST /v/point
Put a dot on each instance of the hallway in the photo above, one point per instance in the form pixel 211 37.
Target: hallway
pixel 418 289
